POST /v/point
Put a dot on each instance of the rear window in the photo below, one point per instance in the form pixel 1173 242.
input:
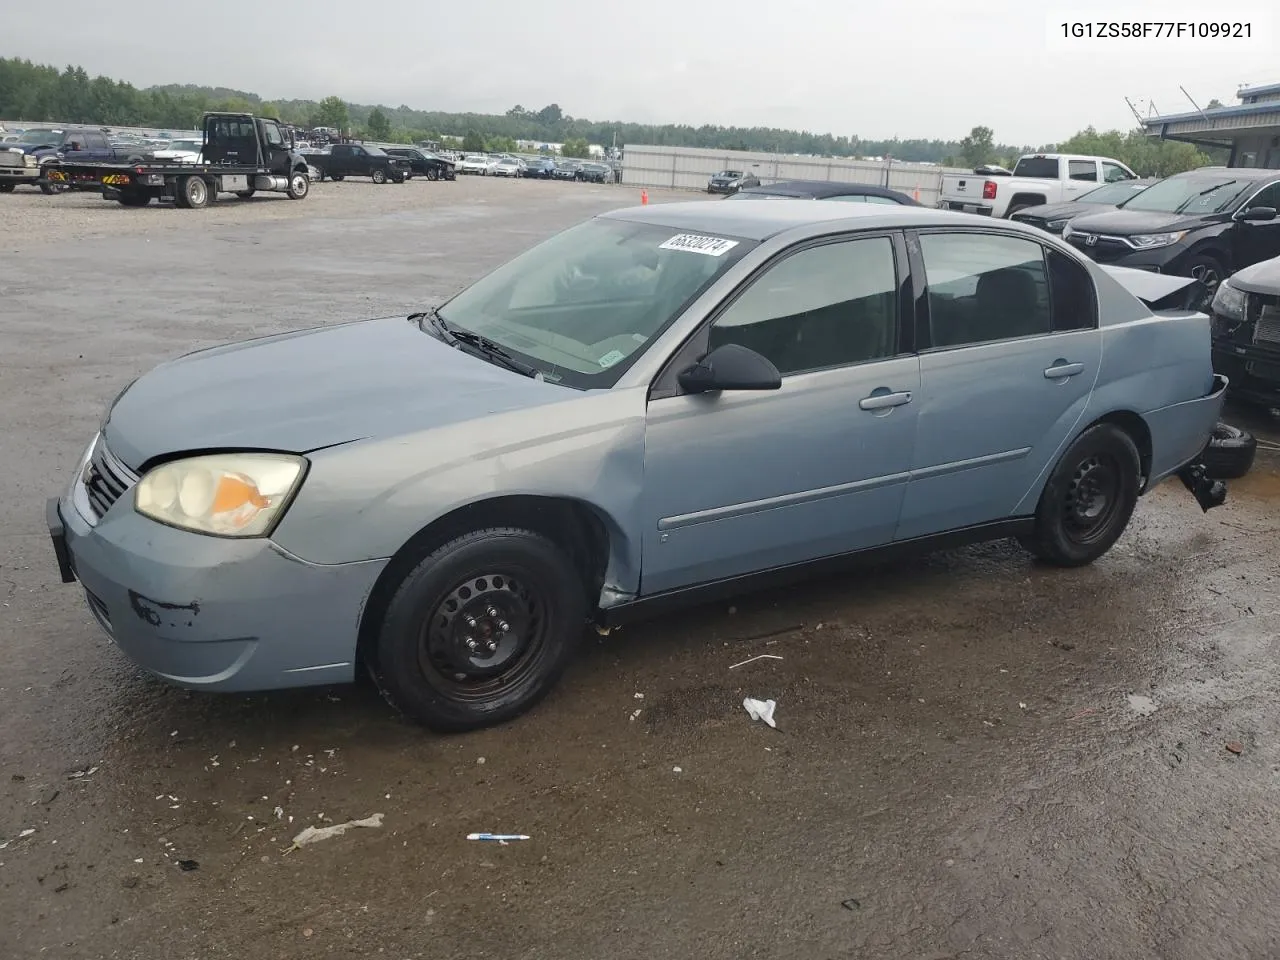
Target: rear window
pixel 1045 168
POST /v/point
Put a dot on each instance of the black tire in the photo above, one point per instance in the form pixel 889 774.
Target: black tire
pixel 379 176
pixel 47 188
pixel 246 194
pixel 499 578
pixel 1089 498
pixel 299 185
pixel 1229 454
pixel 337 178
pixel 133 198
pixel 6 188
pixel 1206 268
pixel 433 174
pixel 192 193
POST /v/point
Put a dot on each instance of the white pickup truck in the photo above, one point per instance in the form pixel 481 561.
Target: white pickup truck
pixel 1037 178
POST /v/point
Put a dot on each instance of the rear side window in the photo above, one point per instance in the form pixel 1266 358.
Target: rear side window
pixel 984 288
pixel 1082 170
pixel 1043 167
pixel 1071 288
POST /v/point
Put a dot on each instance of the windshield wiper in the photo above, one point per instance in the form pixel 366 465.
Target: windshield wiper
pixel 487 348
pixel 1190 200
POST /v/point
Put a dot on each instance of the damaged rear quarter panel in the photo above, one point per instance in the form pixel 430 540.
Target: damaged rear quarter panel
pixel 365 500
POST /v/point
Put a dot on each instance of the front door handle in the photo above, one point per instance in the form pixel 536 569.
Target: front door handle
pixel 1061 370
pixel 882 401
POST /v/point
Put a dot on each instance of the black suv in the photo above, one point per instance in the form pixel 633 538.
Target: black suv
pixel 1205 223
pixel 424 164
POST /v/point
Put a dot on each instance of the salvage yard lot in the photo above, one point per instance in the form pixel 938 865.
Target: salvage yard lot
pixel 975 756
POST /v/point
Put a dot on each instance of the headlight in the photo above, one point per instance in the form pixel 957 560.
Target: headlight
pixel 226 494
pixel 1058 225
pixel 29 160
pixel 1229 302
pixel 1149 241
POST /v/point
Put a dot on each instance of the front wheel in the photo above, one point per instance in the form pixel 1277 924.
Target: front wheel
pixel 379 176
pixel 433 174
pixel 1207 269
pixel 299 185
pixel 1088 499
pixel 6 188
pixel 480 630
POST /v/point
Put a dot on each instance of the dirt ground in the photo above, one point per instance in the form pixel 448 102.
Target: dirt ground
pixel 976 757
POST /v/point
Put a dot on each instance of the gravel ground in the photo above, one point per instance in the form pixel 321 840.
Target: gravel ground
pixel 976 758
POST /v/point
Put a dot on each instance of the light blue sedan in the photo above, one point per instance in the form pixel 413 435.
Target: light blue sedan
pixel 661 405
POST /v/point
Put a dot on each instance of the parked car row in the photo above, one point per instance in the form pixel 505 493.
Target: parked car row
pixel 543 168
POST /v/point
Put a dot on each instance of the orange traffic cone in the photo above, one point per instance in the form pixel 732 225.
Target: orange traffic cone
pixel 644 197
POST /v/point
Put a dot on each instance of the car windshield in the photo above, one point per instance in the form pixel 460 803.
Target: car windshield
pixel 583 305
pixel 473 158
pixel 39 136
pixel 1193 195
pixel 731 174
pixel 1113 192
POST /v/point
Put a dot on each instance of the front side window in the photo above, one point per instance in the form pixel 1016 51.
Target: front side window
pixel 273 135
pixel 827 306
pixel 1114 173
pixel 1082 170
pixel 1269 196
pixel 583 305
pixel 984 287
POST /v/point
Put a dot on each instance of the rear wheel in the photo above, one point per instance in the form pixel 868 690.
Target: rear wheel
pixel 480 630
pixel 338 178
pixel 6 188
pixel 192 193
pixel 1089 498
pixel 379 176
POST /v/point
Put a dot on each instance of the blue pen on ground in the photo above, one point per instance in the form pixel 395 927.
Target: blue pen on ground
pixel 500 837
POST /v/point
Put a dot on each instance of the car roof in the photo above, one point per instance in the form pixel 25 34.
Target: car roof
pixel 1237 173
pixel 825 188
pixel 760 221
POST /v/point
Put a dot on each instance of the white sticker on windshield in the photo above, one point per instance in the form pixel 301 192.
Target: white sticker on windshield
pixel 694 243
pixel 610 358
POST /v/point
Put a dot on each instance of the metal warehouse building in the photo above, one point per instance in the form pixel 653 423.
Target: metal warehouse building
pixel 1250 130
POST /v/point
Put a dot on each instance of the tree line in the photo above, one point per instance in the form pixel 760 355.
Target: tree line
pixel 38 92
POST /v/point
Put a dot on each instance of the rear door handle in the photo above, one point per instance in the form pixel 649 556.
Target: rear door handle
pixel 1061 369
pixel 881 401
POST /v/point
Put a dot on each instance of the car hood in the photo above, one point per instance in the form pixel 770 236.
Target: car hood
pixel 1261 278
pixel 1127 223
pixel 1059 211
pixel 302 391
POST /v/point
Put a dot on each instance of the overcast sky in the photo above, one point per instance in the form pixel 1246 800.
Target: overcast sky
pixel 917 68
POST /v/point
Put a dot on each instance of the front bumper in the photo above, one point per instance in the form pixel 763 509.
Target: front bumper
pixel 211 613
pixel 960 206
pixel 19 174
pixel 1254 372
pixel 722 188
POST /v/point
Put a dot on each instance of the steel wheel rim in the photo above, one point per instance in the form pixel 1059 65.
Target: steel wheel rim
pixel 197 191
pixel 1093 499
pixel 299 183
pixel 485 636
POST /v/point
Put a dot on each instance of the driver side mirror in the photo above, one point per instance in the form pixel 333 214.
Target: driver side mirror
pixel 730 367
pixel 1259 214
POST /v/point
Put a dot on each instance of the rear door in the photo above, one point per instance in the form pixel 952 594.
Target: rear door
pixel 342 160
pixel 1082 176
pixel 1009 356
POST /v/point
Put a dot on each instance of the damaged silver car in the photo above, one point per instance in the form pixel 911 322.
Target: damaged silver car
pixel 661 405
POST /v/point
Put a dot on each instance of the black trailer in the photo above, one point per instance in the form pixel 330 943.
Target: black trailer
pixel 242 154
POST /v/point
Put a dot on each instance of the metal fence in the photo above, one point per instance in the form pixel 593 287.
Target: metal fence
pixel 689 168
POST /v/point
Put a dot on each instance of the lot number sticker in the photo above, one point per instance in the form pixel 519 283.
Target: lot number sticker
pixel 694 243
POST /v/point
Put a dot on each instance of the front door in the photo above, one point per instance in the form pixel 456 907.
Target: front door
pixel 1258 240
pixel 1007 365
pixel 739 482
pixel 276 148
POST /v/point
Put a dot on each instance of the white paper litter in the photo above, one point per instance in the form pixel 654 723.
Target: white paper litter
pixel 761 710
pixel 316 834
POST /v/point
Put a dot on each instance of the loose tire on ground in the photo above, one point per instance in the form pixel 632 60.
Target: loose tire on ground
pixel 479 630
pixel 1229 454
pixel 192 193
pixel 1089 498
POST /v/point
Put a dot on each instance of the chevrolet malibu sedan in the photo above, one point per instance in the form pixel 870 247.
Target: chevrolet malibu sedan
pixel 661 405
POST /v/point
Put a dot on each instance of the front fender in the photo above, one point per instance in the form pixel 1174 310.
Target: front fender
pixel 366 499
